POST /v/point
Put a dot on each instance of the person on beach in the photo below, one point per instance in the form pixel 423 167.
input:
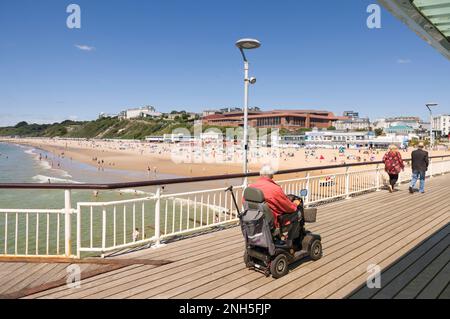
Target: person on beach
pixel 393 165
pixel 136 235
pixel 420 162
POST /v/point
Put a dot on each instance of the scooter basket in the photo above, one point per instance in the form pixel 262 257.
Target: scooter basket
pixel 310 215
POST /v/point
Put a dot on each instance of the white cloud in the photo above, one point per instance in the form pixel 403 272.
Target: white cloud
pixel 404 61
pixel 84 47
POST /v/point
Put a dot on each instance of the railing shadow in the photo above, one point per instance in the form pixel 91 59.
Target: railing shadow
pixel 422 273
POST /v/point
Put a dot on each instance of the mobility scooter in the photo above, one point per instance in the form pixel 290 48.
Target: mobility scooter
pixel 272 250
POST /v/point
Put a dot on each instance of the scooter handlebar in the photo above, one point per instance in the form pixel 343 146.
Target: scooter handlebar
pixel 229 189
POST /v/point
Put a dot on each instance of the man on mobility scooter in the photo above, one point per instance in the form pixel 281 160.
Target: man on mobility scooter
pixel 273 227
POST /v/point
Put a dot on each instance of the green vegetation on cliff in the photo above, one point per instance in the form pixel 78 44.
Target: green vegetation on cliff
pixel 102 128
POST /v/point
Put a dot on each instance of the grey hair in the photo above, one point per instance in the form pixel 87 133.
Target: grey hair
pixel 267 170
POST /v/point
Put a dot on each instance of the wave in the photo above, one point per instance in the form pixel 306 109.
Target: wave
pixel 45 164
pixel 30 151
pixel 45 179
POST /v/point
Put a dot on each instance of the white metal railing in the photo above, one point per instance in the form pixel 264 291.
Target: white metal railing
pixel 151 219
pixel 33 232
pixel 101 227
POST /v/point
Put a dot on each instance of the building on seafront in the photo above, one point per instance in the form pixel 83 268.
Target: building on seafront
pixel 134 113
pixel 352 122
pixel 279 119
pixel 441 125
pixel 336 139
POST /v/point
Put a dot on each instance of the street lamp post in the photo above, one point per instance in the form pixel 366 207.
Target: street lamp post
pixel 429 106
pixel 246 44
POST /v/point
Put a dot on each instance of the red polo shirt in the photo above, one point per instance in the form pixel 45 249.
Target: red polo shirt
pixel 275 197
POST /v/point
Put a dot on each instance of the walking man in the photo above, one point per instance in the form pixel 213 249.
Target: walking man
pixel 420 164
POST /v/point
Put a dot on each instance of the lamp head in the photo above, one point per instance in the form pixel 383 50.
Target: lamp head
pixel 430 105
pixel 248 44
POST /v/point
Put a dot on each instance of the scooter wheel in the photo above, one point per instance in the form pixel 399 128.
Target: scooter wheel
pixel 279 267
pixel 315 251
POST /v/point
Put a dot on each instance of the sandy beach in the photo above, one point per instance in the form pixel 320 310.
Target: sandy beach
pixel 194 160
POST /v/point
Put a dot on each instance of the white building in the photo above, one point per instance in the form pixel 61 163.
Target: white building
pixel 334 139
pixel 211 136
pixel 210 112
pixel 352 124
pixel 441 124
pixel 176 138
pixel 146 111
pixel 317 137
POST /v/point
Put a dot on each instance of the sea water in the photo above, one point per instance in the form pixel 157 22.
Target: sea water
pixel 24 164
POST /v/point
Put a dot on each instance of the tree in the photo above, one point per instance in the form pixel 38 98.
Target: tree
pixel 378 132
pixel 21 124
pixel 331 128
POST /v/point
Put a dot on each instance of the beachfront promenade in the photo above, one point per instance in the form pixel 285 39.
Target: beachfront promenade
pixel 407 235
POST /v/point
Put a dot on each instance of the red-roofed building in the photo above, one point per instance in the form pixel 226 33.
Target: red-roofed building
pixel 287 119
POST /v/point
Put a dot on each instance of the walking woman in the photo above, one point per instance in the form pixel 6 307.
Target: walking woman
pixel 393 164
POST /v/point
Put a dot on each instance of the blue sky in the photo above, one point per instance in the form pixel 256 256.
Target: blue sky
pixel 180 54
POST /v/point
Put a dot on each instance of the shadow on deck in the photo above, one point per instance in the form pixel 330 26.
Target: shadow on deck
pixel 423 273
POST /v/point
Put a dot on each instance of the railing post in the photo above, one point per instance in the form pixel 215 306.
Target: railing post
pixel 245 184
pixel 377 183
pixel 158 217
pixel 430 168
pixel 347 183
pixel 103 230
pixel 67 223
pixel 78 212
pixel 308 178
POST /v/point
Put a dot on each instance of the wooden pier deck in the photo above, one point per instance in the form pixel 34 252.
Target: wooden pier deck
pixel 407 235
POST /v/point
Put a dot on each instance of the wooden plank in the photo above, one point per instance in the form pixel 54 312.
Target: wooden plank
pixel 148 276
pixel 350 270
pixel 437 285
pixel 176 282
pixel 125 288
pixel 359 274
pixel 58 272
pixel 192 285
pixel 7 268
pixel 422 279
pixel 446 293
pixel 58 283
pixel 26 282
pixel 395 269
pixel 181 245
pixel 21 275
pixel 91 261
pixel 112 273
pixel 350 287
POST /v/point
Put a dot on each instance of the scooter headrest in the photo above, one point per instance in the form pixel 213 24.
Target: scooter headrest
pixel 254 195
